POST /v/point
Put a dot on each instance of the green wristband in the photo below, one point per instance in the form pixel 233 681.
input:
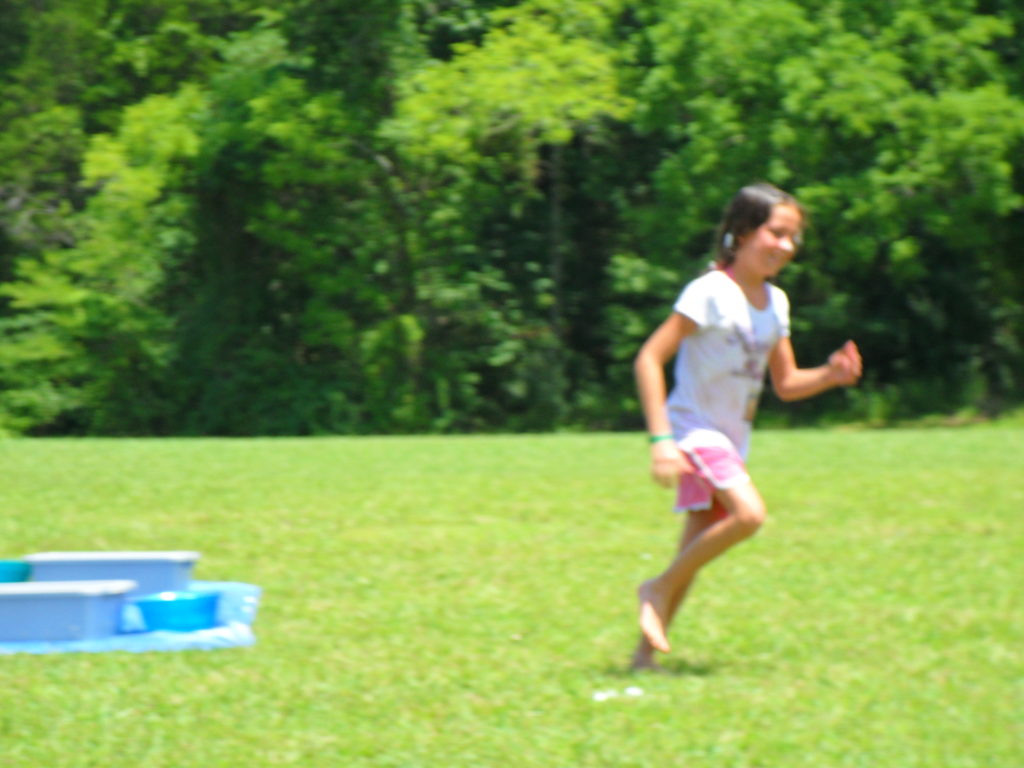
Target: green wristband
pixel 659 438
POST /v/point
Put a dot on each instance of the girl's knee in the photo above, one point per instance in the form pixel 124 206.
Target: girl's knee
pixel 749 517
pixel 746 509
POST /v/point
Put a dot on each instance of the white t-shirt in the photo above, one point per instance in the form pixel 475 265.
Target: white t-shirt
pixel 720 368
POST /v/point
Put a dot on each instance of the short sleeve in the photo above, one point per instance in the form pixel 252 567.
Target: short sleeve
pixel 696 301
pixel 780 303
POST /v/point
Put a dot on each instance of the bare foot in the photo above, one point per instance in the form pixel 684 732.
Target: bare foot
pixel 652 609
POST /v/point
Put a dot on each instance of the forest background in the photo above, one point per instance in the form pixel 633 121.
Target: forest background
pixel 324 216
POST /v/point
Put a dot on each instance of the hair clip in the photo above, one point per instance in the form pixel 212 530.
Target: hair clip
pixel 728 240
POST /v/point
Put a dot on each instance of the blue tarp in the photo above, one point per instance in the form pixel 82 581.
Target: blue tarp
pixel 236 612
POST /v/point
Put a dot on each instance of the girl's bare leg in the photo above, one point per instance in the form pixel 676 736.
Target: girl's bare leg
pixel 746 513
pixel 696 522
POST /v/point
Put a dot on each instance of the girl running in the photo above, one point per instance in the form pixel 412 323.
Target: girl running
pixel 727 327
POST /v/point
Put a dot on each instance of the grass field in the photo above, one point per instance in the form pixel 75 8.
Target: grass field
pixel 451 602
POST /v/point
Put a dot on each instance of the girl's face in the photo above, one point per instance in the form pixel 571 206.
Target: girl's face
pixel 770 247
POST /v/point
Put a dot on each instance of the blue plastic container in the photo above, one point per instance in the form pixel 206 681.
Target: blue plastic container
pixel 35 611
pixel 14 570
pixel 182 611
pixel 152 571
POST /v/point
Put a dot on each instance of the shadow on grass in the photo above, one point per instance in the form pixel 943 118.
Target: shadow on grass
pixel 684 668
pixel 668 668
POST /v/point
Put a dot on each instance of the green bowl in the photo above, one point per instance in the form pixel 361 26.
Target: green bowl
pixel 14 570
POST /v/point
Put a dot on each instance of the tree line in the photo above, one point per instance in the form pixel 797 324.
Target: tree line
pixel 324 216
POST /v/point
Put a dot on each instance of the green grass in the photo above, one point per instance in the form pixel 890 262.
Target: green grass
pixel 457 602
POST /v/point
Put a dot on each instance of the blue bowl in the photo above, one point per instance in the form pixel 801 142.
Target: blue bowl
pixel 14 570
pixel 178 611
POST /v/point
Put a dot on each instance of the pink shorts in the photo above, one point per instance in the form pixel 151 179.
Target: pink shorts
pixel 716 468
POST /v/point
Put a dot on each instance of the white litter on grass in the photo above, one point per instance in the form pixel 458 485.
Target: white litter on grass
pixel 632 691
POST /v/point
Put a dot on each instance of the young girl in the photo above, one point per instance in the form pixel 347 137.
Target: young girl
pixel 727 327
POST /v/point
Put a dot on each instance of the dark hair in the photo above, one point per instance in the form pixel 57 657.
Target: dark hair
pixel 748 210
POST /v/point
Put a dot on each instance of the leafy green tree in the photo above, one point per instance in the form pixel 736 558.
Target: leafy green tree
pixel 86 325
pixel 486 135
pixel 896 123
pixel 411 215
pixel 67 70
pixel 293 281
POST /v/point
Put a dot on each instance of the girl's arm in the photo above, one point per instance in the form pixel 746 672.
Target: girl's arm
pixel 791 383
pixel 667 462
